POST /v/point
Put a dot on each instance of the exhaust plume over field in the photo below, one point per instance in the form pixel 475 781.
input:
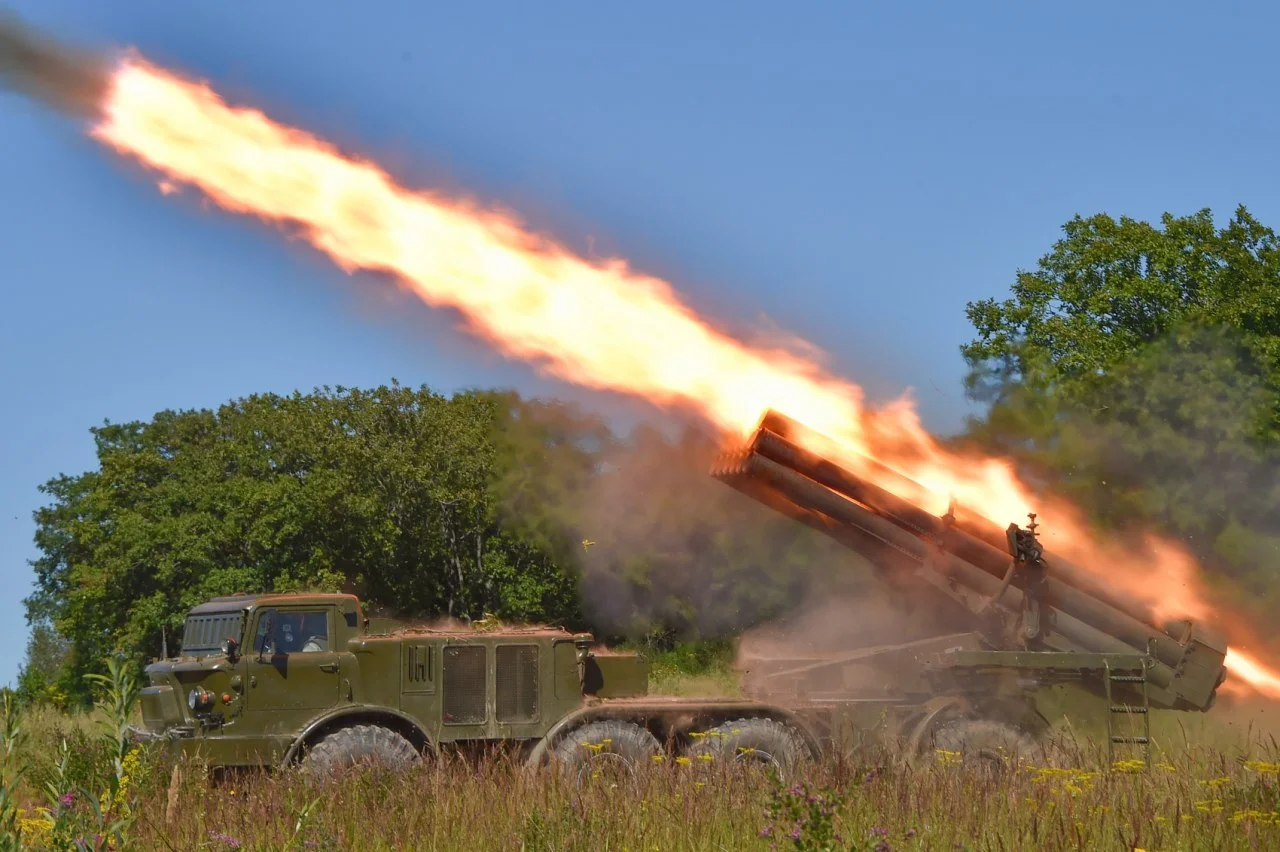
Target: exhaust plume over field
pixel 600 325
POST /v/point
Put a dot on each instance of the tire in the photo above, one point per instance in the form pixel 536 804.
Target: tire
pixel 360 744
pixel 609 748
pixel 762 741
pixel 985 744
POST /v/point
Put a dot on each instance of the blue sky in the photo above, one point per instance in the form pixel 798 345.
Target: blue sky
pixel 854 172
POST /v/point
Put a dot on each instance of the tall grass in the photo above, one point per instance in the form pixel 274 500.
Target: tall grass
pixel 1202 799
pixel 82 786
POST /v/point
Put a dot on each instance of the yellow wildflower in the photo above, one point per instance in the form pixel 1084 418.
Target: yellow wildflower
pixel 1263 767
pixel 34 829
pixel 598 747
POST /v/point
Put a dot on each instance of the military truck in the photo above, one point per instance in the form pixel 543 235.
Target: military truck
pixel 279 680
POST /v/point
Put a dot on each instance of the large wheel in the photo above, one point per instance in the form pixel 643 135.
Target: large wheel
pixel 608 750
pixel 359 744
pixel 761 741
pixel 985 744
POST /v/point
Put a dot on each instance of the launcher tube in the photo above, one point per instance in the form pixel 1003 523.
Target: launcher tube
pixel 775 427
pixel 974 551
pixel 807 493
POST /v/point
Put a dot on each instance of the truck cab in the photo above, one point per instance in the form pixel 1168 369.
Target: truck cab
pixel 251 669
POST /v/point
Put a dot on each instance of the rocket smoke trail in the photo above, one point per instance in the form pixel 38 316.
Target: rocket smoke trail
pixel 32 64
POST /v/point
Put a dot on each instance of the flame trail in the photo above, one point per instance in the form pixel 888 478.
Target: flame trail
pixel 599 325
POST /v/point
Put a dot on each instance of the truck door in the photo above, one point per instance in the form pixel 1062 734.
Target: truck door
pixel 292 669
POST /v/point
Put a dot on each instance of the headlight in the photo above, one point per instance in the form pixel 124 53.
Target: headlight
pixel 198 699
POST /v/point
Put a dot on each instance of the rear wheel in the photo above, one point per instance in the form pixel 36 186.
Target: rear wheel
pixel 609 750
pixel 759 742
pixel 985 744
pixel 357 745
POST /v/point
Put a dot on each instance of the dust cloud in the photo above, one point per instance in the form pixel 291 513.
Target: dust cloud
pixel 673 546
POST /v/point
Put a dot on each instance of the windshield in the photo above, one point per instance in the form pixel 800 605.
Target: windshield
pixel 204 633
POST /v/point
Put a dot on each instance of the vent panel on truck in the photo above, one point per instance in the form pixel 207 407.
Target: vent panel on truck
pixel 203 634
pixel 517 683
pixel 464 685
pixel 418 674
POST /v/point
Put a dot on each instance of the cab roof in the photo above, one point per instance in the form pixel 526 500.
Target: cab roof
pixel 233 603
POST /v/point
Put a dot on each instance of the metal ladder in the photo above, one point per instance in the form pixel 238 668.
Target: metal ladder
pixel 1110 676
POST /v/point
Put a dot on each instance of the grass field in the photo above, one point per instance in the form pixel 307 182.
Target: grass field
pixel 1214 786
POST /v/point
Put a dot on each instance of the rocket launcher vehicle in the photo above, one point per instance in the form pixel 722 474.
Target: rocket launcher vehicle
pixel 1019 598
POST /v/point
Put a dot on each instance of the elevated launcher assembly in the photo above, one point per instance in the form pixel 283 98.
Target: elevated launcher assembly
pixel 1027 613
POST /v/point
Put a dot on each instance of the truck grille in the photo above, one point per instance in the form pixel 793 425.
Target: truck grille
pixel 517 683
pixel 464 685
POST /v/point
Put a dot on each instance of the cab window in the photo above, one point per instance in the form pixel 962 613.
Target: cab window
pixel 292 631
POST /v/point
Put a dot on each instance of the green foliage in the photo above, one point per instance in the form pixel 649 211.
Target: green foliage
pixel 38 679
pixel 1137 371
pixel 710 656
pixel 804 817
pixel 11 742
pixel 92 791
pixel 468 506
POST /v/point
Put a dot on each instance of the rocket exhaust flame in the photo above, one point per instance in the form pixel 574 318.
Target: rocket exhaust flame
pixel 599 325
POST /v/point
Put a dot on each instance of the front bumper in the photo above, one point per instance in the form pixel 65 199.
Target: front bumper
pixel 140 736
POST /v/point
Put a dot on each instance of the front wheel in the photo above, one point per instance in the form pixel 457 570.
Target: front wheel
pixel 360 744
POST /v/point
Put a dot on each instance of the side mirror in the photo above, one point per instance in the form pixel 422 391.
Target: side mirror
pixel 231 649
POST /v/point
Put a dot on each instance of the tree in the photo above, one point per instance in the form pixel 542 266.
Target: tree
pixel 44 668
pixel 479 503
pixel 388 492
pixel 1137 371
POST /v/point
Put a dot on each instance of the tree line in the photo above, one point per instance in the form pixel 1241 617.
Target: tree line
pixel 1135 369
pixel 479 504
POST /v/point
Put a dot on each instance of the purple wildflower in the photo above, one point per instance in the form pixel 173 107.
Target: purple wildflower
pixel 767 831
pixel 883 846
pixel 880 831
pixel 795 832
pixel 224 839
pixel 67 799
